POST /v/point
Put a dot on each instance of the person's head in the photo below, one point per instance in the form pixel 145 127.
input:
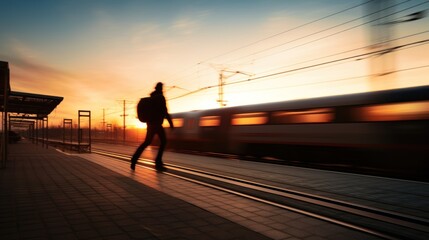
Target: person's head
pixel 158 86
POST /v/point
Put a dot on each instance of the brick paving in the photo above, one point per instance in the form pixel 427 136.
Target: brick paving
pixel 45 194
pixel 273 222
pixel 48 194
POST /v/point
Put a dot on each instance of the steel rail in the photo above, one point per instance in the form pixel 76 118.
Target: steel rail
pixel 253 190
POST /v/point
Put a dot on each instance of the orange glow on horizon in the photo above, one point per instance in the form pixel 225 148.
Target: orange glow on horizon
pixel 139 124
pixel 106 72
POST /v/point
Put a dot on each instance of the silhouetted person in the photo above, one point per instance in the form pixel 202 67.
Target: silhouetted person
pixel 154 127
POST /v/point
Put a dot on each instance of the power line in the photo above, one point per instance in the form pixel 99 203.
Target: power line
pixel 324 30
pixel 347 78
pixel 286 31
pixel 326 81
pixel 278 34
pixel 318 39
pixel 359 57
pixel 348 51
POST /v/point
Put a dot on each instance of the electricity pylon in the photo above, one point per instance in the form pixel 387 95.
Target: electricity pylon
pixel 222 78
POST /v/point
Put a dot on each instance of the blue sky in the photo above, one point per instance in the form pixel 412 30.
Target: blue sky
pixel 96 53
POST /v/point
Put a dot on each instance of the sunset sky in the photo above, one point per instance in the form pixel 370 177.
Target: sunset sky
pixel 98 53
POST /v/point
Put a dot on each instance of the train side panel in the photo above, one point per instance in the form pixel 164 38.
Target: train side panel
pixel 368 128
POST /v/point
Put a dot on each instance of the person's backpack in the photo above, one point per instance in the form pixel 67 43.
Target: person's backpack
pixel 144 109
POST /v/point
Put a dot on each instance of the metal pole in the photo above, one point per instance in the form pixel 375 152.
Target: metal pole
pixel 47 131
pixel 33 132
pixel 79 132
pixel 89 129
pixel 42 122
pixel 4 76
pixel 124 121
pixel 221 101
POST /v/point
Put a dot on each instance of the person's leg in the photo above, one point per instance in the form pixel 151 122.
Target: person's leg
pixel 149 136
pixel 163 142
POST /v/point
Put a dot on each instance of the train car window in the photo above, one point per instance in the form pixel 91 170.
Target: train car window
pixel 210 121
pixel 394 112
pixel 319 115
pixel 256 118
pixel 178 122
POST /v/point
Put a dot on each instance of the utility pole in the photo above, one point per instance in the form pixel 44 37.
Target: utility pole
pixel 222 78
pixel 124 115
pixel 104 121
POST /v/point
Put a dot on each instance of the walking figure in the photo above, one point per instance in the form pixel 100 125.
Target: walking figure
pixel 159 111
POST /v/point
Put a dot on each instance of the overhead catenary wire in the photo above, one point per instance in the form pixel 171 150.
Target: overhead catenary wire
pixel 286 31
pixel 341 79
pixel 359 57
pixel 356 57
pixel 330 35
pixel 316 83
pixel 347 51
pixel 278 34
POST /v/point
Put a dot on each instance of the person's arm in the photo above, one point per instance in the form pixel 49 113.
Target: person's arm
pixel 169 120
pixel 167 115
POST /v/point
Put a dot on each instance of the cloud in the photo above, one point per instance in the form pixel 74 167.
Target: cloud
pixel 30 76
pixel 81 91
pixel 186 26
pixel 22 50
pixel 150 37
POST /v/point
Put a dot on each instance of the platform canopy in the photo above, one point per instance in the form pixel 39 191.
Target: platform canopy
pixel 32 105
pixel 26 105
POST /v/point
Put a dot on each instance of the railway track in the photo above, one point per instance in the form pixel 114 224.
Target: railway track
pixel 374 221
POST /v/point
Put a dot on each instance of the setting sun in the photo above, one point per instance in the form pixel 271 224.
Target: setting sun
pixel 139 124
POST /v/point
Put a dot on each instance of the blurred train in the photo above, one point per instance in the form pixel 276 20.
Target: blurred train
pixel 383 129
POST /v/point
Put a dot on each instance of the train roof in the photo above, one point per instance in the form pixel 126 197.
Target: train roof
pixel 384 96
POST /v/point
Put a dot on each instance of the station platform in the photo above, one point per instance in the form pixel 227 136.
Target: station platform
pixel 48 194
